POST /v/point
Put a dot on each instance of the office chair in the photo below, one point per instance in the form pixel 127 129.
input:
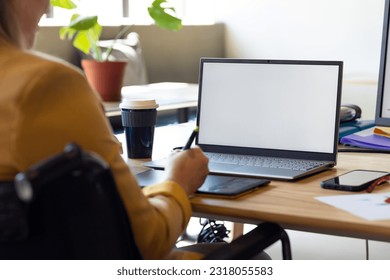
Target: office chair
pixel 67 207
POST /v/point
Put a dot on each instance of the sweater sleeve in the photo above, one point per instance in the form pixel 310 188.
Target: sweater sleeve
pixel 57 106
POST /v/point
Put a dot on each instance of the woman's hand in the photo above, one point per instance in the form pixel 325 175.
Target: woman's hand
pixel 188 168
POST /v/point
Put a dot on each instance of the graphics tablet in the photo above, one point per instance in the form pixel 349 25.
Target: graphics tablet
pixel 226 186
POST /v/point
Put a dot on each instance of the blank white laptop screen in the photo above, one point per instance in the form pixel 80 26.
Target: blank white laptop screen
pixel 269 105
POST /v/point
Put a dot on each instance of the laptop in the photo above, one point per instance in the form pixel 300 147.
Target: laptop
pixel 273 119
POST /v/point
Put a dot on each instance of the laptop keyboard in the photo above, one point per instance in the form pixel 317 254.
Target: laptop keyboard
pixel 263 161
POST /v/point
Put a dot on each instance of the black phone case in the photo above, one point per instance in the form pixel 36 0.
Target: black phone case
pixel 330 185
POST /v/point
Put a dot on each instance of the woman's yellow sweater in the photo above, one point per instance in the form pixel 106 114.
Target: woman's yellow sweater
pixel 45 104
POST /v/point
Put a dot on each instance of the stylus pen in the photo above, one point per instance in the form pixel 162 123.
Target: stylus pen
pixel 191 139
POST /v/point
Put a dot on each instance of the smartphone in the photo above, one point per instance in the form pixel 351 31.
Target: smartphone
pixel 354 181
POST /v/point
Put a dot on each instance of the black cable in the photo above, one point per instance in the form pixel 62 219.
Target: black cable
pixel 367 250
pixel 212 231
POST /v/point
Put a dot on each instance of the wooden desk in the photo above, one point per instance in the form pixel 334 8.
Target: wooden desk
pixel 293 204
pixel 290 204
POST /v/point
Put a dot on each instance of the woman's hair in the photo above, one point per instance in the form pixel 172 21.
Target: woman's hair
pixel 9 30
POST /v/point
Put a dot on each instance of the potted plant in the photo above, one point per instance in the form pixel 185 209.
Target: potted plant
pixel 104 75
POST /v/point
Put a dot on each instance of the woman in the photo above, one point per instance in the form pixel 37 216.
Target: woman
pixel 45 104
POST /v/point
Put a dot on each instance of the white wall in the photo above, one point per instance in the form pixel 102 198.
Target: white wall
pixel 347 30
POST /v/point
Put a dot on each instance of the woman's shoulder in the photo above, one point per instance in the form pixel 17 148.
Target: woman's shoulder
pixel 34 62
pixel 42 73
pixel 51 63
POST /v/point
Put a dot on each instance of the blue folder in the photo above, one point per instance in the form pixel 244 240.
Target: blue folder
pixel 348 128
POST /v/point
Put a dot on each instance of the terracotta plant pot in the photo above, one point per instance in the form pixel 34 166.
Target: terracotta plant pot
pixel 105 77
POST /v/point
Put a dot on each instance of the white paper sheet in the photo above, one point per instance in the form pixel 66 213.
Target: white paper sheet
pixel 367 206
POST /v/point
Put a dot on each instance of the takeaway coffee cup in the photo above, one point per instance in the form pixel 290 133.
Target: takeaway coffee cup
pixel 139 119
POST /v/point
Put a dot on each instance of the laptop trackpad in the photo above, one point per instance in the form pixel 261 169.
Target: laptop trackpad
pixel 226 167
pixel 256 171
pixel 269 172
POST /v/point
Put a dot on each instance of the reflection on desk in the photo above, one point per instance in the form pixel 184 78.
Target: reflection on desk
pixel 293 205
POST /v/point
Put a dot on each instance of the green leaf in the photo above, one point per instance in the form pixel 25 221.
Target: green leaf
pixel 81 42
pixel 85 32
pixel 67 33
pixel 83 22
pixel 96 31
pixel 65 4
pixel 86 41
pixel 93 37
pixel 158 12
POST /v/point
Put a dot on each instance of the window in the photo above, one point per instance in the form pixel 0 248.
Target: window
pixel 113 12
